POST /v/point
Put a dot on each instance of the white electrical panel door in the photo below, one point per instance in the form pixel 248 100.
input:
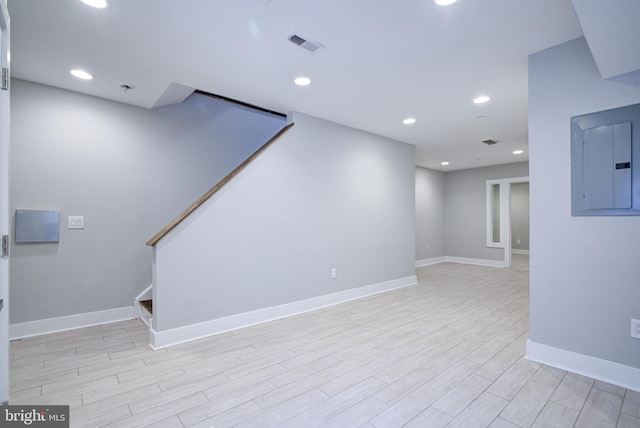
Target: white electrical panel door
pixel 606 156
pixel 605 162
pixel 622 197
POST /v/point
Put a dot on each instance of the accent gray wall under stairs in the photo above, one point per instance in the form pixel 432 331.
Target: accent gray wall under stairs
pixel 128 171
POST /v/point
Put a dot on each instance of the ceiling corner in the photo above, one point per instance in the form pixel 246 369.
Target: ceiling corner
pixel 174 94
pixel 612 33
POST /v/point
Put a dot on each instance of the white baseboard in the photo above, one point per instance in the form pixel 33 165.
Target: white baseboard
pixel 162 339
pixel 432 261
pixel 480 262
pixel 69 322
pixel 462 260
pixel 525 252
pixel 595 368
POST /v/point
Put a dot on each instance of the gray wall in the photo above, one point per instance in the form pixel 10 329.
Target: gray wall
pixel 465 209
pixel 128 170
pixel 520 216
pixel 430 221
pixel 584 270
pixel 323 196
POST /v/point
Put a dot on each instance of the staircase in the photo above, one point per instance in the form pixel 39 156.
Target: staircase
pixel 143 303
pixel 148 305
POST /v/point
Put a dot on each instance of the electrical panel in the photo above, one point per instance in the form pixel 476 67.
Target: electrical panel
pixel 605 149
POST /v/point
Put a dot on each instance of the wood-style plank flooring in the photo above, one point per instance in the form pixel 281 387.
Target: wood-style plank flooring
pixel 447 352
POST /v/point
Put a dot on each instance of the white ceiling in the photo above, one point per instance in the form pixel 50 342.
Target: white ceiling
pixel 384 60
pixel 613 35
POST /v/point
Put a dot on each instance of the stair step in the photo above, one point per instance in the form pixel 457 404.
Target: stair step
pixel 148 305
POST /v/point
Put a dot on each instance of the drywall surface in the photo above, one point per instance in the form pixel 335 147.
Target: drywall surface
pixel 584 270
pixel 465 209
pixel 430 220
pixel 520 216
pixel 128 171
pixel 323 196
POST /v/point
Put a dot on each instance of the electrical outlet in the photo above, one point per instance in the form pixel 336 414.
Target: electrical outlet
pixel 76 222
pixel 334 273
pixel 635 328
pixel 428 246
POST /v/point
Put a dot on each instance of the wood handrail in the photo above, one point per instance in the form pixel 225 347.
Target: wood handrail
pixel 168 228
pixel 238 102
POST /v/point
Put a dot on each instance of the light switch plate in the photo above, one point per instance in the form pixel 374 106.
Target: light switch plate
pixel 76 222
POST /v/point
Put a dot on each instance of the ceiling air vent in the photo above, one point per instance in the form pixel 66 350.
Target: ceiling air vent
pixel 304 43
pixel 490 142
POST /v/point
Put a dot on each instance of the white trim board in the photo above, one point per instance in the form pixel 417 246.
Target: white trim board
pixel 162 339
pixel 607 371
pixel 432 261
pixel 462 260
pixel 69 322
pixel 480 262
pixel 516 251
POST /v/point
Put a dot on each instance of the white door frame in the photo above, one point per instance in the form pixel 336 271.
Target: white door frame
pixel 505 215
pixel 4 206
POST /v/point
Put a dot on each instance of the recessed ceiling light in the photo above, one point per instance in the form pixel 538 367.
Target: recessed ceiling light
pixel 302 81
pixel 445 163
pixel 518 152
pixel 100 4
pixel 481 99
pixel 445 2
pixel 409 121
pixel 81 74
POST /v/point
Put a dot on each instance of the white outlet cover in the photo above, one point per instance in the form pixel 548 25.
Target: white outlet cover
pixel 76 222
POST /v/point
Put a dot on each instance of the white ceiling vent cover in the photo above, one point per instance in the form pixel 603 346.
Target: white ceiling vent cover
pixel 310 45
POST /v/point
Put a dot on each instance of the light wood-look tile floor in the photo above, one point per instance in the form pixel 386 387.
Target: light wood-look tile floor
pixel 447 352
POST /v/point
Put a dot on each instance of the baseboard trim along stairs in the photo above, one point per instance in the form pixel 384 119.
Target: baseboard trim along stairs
pixel 162 339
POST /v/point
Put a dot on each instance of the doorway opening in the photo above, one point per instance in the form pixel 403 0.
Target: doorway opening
pixel 504 200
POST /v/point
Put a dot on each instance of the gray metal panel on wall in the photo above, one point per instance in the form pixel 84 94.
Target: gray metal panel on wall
pixel 37 226
pixel 605 162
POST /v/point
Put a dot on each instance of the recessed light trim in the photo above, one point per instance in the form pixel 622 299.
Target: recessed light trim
pixel 481 99
pixel 445 2
pixel 518 152
pixel 81 74
pixel 98 4
pixel 302 81
pixel 445 163
pixel 409 121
